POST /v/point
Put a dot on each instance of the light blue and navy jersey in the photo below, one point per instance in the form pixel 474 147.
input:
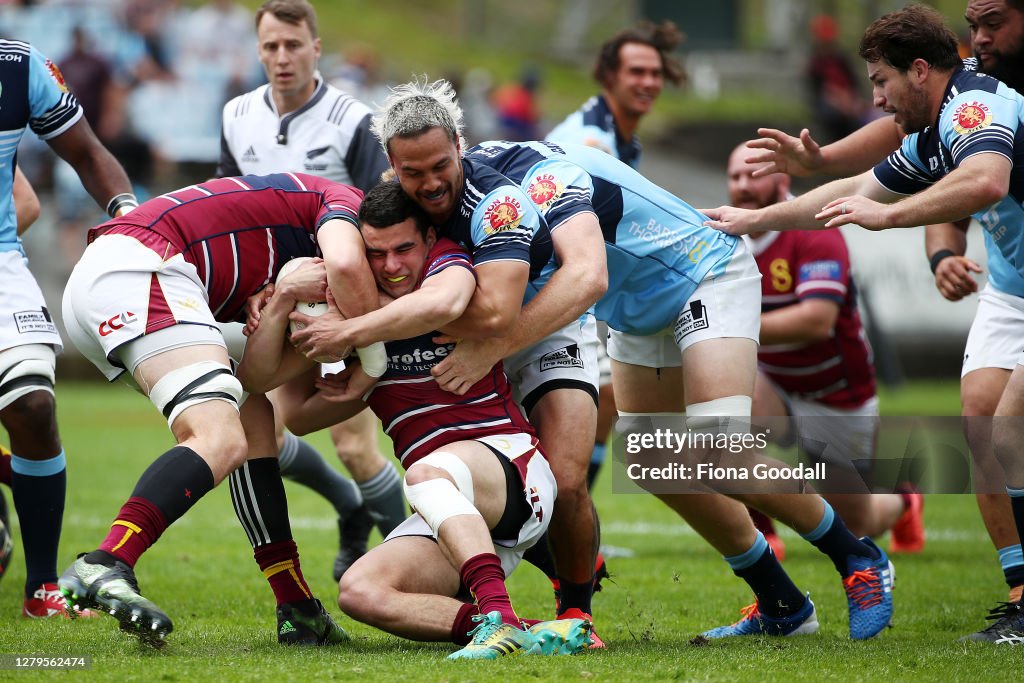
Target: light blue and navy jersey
pixel 594 126
pixel 979 115
pixel 657 246
pixel 496 221
pixel 32 93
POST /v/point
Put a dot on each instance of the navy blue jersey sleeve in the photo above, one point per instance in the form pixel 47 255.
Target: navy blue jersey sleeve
pixel 560 190
pixel 903 172
pixel 53 107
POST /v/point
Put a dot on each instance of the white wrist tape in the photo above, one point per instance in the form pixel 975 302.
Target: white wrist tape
pixel 374 359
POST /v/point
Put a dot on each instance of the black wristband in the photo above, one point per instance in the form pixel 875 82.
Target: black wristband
pixel 120 201
pixel 937 257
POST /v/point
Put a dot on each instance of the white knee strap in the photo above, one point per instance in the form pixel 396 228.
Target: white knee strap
pixel 714 414
pixel 454 466
pixel 24 369
pixel 438 500
pixel 195 384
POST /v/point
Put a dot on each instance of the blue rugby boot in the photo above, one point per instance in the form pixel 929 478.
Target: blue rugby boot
pixel 869 592
pixel 754 623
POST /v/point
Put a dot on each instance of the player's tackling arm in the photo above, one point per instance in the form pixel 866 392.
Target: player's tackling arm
pixel 100 173
pixel 440 299
pixel 269 360
pixel 801 156
pixel 580 280
pixel 348 273
pixel 495 305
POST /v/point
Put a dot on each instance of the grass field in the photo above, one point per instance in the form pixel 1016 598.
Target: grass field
pixel 201 572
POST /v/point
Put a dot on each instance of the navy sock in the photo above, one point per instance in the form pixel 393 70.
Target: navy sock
pixel 1017 505
pixel 833 538
pixel 539 555
pixel 39 487
pixel 777 595
pixel 576 595
pixel 1011 559
pixel 383 496
pixel 303 464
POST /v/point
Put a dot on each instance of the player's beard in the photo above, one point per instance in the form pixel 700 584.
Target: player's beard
pixel 1010 67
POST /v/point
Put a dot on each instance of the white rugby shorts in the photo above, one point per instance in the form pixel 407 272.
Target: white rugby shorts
pixel 122 291
pixel 996 339
pixel 24 317
pixel 539 490
pixel 728 305
pixel 567 356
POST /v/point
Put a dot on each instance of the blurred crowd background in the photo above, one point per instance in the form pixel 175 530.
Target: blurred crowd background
pixel 153 75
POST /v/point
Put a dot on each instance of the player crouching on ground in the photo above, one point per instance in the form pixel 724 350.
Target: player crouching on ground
pixel 481 489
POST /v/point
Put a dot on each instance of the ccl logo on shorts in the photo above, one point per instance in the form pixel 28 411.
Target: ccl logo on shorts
pixel 115 323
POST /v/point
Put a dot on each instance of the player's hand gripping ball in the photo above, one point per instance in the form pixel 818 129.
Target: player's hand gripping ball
pixel 311 308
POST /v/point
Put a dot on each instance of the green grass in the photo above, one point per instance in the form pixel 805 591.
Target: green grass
pixel 201 572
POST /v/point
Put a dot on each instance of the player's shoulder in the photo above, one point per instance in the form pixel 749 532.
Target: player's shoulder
pixel 445 248
pixel 245 104
pixel 18 48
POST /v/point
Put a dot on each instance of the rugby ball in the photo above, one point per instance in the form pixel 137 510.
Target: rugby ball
pixel 311 308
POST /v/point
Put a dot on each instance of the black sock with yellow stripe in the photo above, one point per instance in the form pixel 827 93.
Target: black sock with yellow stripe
pixel 165 491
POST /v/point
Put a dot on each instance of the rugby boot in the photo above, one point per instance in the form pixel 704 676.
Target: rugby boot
pixel 868 587
pixel 1007 627
pixel 569 634
pixel 47 601
pixel 114 590
pixel 907 534
pixel 307 623
pixel 492 639
pixel 754 623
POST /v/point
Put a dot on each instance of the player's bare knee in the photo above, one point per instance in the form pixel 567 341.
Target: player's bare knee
pixel 420 472
pixel 361 595
pixel 33 413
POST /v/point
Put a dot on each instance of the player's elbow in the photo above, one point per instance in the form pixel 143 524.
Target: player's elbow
pixel 819 329
pixel 991 189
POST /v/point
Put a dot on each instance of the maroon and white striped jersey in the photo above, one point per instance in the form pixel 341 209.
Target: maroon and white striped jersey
pixel 238 232
pixel 419 415
pixel 815 264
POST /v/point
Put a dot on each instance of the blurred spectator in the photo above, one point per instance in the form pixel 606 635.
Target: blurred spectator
pixel 516 107
pixel 358 73
pixel 216 45
pixel 838 106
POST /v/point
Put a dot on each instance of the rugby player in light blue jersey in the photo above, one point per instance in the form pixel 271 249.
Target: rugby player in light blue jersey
pixel 681 296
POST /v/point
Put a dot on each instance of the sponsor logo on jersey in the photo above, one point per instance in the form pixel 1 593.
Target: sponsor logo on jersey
pixel 503 214
pixel 694 317
pixel 821 270
pixel 249 156
pixel 418 359
pixel 538 509
pixel 314 153
pixel 565 357
pixel 315 166
pixel 971 116
pixel 10 58
pixel 35 321
pixel 115 323
pixel 57 75
pixel 544 190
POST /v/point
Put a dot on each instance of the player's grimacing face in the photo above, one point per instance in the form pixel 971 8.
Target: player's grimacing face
pixel 288 53
pixel 396 255
pixel 429 169
pixel 639 79
pixel 997 38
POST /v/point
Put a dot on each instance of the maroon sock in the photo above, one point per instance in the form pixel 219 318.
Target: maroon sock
pixel 486 579
pixel 464 624
pixel 5 466
pixel 279 562
pixel 762 522
pixel 136 528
